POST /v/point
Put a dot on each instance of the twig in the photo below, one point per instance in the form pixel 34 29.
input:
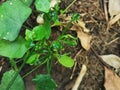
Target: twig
pixel 68 6
pixel 74 68
pixel 80 77
pixel 105 10
pixel 113 21
pixel 114 40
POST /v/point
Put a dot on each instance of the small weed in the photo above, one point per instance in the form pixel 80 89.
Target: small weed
pixel 36 48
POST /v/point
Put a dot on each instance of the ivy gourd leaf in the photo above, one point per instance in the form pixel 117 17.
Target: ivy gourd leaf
pixel 27 2
pixel 13 13
pixel 65 60
pixel 32 59
pixel 43 5
pixel 15 49
pixel 39 32
pixel 17 85
pixel 44 82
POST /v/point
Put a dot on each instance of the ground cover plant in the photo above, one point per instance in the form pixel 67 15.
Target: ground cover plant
pixel 34 48
pixel 59 44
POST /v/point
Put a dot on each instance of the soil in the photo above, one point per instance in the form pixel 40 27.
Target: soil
pixel 92 13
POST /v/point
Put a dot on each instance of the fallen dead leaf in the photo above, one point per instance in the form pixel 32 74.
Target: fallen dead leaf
pixel 114 10
pixel 112 81
pixel 81 24
pixel 82 34
pixel 85 39
pixel 82 31
pixel 111 60
pixel 114 7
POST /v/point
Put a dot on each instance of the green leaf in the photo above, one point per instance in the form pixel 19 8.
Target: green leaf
pixel 57 46
pixel 39 32
pixel 15 49
pixel 13 13
pixel 17 85
pixel 27 2
pixel 69 40
pixel 32 59
pixel 65 61
pixel 29 35
pixel 43 5
pixel 44 82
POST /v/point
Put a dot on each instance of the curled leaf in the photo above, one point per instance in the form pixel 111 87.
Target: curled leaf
pixel 111 60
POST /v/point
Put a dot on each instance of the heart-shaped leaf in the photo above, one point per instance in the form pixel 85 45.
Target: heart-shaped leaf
pixel 15 49
pixel 39 32
pixel 13 13
pixel 43 5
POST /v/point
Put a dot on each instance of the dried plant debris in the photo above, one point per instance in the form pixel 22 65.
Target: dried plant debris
pixel 112 81
pixel 111 60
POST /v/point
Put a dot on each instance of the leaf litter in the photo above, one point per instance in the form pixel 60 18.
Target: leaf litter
pixel 112 81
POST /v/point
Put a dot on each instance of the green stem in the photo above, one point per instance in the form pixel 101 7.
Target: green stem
pixel 34 69
pixel 66 28
pixel 68 7
pixel 13 63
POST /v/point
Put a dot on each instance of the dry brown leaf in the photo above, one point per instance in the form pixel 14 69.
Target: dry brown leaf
pixel 82 31
pixel 85 39
pixel 82 34
pixel 82 25
pixel 114 7
pixel 112 81
pixel 111 60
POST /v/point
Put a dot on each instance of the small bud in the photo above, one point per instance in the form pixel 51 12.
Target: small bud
pixel 40 19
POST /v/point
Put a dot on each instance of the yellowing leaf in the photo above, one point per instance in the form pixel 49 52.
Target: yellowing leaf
pixel 114 7
pixel 112 60
pixel 112 81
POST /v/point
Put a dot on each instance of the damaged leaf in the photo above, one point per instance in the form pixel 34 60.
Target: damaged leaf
pixel 112 81
pixel 111 60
